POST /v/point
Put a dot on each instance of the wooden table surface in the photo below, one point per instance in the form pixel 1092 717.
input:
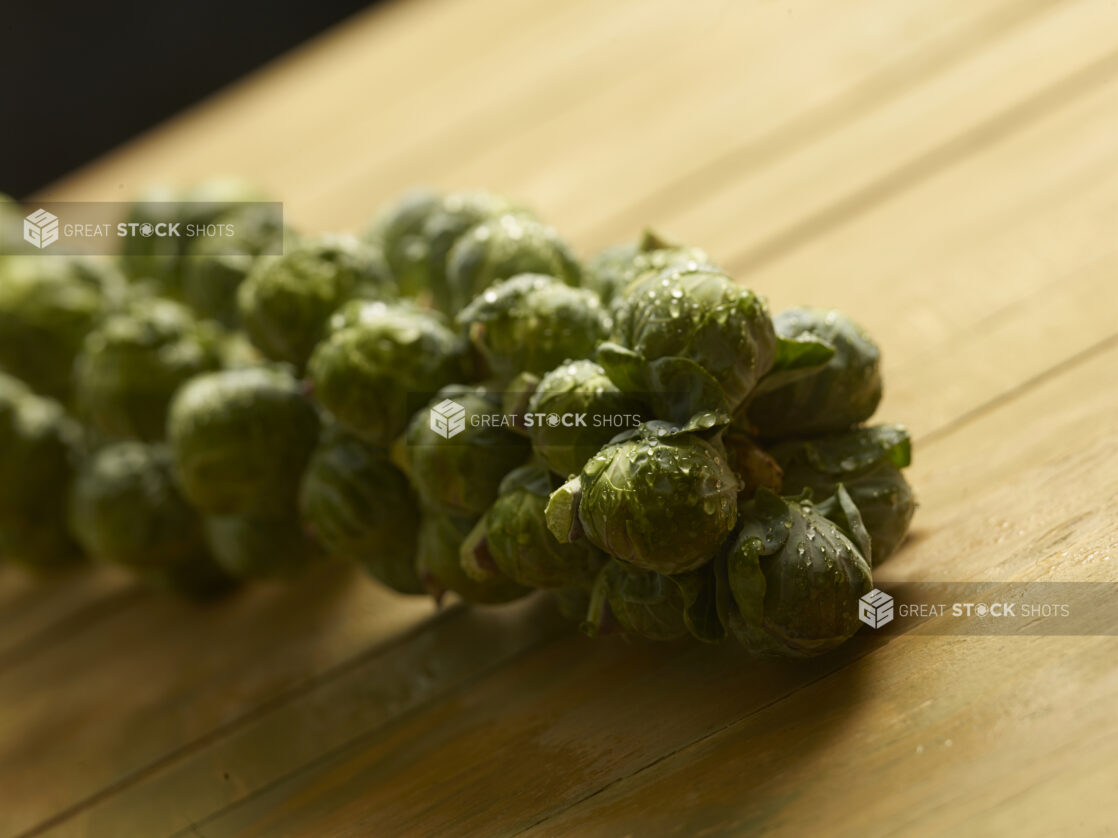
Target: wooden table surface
pixel 946 172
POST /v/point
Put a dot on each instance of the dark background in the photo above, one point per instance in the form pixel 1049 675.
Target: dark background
pixel 79 78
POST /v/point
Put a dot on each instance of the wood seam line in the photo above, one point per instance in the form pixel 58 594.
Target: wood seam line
pixel 876 90
pixel 807 128
pixel 937 160
pixel 840 665
pixel 363 735
pixel 111 604
pixel 1060 368
pixel 272 704
pixel 294 692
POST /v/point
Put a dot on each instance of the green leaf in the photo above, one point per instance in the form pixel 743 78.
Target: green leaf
pixel 562 511
pixel 795 358
pixel 700 610
pixel 842 510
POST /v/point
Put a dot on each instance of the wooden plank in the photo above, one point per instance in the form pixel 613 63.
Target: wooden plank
pixel 711 743
pixel 1039 331
pixel 634 64
pixel 145 680
pixel 359 700
pixel 34 609
pixel 639 94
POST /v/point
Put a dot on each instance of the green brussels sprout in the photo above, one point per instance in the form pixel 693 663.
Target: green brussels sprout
pixel 216 266
pixel 691 339
pixel 240 440
pixel 512 537
pixel 457 214
pixel 440 568
pixel 398 232
pixel 660 497
pixel 642 603
pixel 614 269
pixel 459 472
pixel 286 301
pixel 867 462
pixel 269 547
pixel 161 260
pixel 839 395
pixel 504 247
pixel 126 509
pixel 236 351
pixel 133 362
pixel 573 389
pixel 39 447
pixel 790 581
pixel 47 306
pixel 609 272
pixel 360 507
pixel 376 359
pixel 533 323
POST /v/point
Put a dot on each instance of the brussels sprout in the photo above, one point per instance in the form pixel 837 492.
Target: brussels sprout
pixel 126 509
pixel 838 396
pixel 533 323
pixel 39 446
pixel 867 462
pixel 237 351
pixel 248 547
pixel 693 339
pixel 504 247
pixel 376 359
pixel 641 603
pixel 573 389
pixel 216 266
pixel 608 272
pixel 458 472
pixel 612 270
pixel 512 537
pixel 286 301
pixel 660 497
pixel 162 259
pixel 240 440
pixel 790 581
pixel 47 306
pixel 398 232
pixel 133 362
pixel 440 545
pixel 360 507
pixel 458 213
